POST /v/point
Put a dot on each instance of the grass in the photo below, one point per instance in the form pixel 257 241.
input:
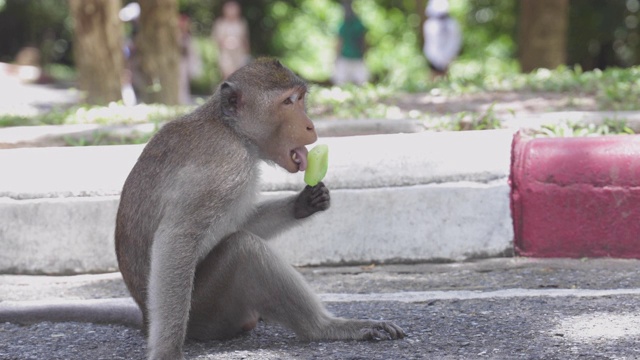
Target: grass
pixel 613 89
pixel 574 129
pixel 463 121
pixel 18 120
pixel 113 114
pixel 101 138
pixel 351 102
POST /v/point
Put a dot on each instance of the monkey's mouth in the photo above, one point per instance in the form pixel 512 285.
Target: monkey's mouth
pixel 299 157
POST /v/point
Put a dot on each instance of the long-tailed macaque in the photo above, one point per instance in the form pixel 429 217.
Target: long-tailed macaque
pixel 190 240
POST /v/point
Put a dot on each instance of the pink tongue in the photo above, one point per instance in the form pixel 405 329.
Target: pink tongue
pixel 301 155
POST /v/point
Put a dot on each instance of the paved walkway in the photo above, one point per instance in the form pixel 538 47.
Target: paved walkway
pixel 29 99
pixel 492 309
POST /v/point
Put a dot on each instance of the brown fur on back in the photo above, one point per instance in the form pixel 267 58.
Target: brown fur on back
pixel 156 179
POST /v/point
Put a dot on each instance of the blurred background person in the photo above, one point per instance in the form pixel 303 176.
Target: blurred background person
pixel 190 62
pixel 132 81
pixel 230 33
pixel 442 37
pixel 350 66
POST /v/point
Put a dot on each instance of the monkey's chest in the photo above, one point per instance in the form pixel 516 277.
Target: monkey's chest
pixel 230 218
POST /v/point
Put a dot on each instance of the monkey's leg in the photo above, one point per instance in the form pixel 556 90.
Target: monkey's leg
pixel 242 280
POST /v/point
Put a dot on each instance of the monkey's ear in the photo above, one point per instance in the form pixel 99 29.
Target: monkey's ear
pixel 230 96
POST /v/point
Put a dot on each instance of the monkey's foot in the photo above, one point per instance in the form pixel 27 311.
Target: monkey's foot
pixel 351 329
pixel 382 331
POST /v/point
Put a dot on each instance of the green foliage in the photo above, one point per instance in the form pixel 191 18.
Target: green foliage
pixel 16 120
pixel 487 120
pixel 210 76
pixel 351 102
pixel 60 72
pixel 102 138
pixel 604 33
pixel 574 129
pixel 395 54
pixel 614 88
pixel 620 89
pixel 489 27
pixel 117 113
pixel 488 49
pixel 45 24
pixel 201 13
pixel 305 36
pixel 464 121
pixel 114 113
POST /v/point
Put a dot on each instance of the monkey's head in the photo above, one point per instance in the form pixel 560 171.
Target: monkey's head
pixel 264 102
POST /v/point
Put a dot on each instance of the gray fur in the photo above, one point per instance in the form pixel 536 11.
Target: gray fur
pixel 190 239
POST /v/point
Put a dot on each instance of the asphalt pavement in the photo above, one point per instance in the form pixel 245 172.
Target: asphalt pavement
pixel 506 308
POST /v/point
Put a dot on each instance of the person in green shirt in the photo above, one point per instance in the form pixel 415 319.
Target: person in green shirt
pixel 350 66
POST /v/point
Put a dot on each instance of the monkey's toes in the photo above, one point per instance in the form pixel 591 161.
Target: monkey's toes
pixel 383 331
pixel 397 332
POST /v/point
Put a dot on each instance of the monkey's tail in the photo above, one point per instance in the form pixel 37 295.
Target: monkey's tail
pixel 121 311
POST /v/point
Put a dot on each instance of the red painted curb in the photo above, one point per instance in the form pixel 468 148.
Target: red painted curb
pixel 576 197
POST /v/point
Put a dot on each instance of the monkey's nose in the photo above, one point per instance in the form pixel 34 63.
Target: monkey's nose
pixel 310 126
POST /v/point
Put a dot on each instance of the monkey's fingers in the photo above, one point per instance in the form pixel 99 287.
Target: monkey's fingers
pixel 321 206
pixel 321 199
pixel 319 190
pixel 324 198
pixel 317 187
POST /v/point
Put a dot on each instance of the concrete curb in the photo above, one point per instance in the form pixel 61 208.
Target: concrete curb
pixel 576 197
pixel 395 198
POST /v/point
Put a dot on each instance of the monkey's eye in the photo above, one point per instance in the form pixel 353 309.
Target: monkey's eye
pixel 291 99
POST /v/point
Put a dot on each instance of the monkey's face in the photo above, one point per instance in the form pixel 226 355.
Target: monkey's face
pixel 289 129
pixel 265 102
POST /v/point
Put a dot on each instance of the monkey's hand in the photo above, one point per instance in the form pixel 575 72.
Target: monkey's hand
pixel 311 200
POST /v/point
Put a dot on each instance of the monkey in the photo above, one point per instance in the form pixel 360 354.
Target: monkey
pixel 191 240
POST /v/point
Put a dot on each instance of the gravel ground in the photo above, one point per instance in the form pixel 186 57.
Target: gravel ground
pixel 525 328
pixel 518 327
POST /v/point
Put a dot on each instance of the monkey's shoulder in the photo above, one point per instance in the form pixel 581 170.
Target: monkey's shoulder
pixel 191 139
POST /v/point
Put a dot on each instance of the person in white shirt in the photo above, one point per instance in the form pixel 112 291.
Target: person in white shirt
pixel 442 37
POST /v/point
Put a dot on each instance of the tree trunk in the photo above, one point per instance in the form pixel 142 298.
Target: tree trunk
pixel 97 48
pixel 158 50
pixel 542 38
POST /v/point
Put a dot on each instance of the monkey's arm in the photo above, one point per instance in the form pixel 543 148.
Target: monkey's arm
pixel 173 263
pixel 275 216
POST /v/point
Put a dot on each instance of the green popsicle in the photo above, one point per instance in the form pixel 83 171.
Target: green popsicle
pixel 317 164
